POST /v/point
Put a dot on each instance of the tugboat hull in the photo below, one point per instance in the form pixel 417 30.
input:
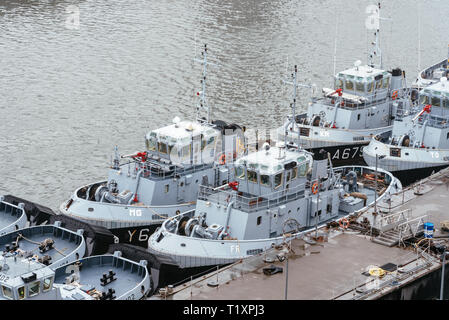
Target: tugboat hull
pixel 351 154
pixel 137 235
pixel 407 164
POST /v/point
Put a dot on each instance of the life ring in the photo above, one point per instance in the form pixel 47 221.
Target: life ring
pixel 222 159
pixel 344 223
pixel 395 95
pixel 315 188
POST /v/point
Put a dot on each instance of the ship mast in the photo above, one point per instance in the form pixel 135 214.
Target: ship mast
pixel 376 51
pixel 203 105
pixel 292 120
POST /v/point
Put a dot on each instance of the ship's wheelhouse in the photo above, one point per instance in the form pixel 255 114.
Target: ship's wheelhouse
pixel 265 172
pixel 184 143
pixel 364 81
pixel 438 98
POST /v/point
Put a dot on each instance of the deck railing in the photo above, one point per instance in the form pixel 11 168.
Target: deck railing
pixel 251 203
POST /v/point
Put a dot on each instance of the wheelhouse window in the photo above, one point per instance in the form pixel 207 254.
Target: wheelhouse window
pixel 436 101
pixel 162 147
pixel 265 180
pixel 7 292
pixel 47 284
pixel 349 83
pixel 424 100
pixel 151 144
pixel 210 141
pixel 34 288
pixel 278 180
pixel 203 144
pixel 252 176
pixel 303 168
pixel 386 82
pixel 370 84
pixel 338 84
pixel 360 85
pixel 379 84
pixel 21 293
pixel 240 172
pixel 294 173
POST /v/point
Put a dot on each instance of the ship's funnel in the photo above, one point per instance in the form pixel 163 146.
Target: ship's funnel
pixel 396 79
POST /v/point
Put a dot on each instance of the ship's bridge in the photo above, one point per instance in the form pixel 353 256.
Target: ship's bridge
pixel 437 95
pixel 23 278
pixel 271 170
pixel 184 142
pixel 428 128
pixel 367 84
pixel 359 100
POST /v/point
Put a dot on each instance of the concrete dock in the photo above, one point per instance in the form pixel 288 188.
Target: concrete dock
pixel 377 257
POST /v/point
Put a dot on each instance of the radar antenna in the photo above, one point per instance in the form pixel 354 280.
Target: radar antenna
pixel 203 105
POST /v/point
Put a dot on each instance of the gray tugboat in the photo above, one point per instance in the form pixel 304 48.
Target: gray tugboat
pixel 163 181
pixel 12 217
pixel 363 103
pixel 279 193
pixel 419 142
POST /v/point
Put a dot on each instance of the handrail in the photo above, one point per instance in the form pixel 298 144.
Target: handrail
pixel 408 227
pixel 392 219
pixel 370 99
pixel 251 203
pixel 148 173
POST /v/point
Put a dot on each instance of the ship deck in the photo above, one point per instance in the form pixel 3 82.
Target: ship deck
pixel 34 236
pixel 337 267
pixel 7 219
pixel 8 215
pixel 127 275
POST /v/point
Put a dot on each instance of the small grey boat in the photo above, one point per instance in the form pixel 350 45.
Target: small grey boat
pixel 12 217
